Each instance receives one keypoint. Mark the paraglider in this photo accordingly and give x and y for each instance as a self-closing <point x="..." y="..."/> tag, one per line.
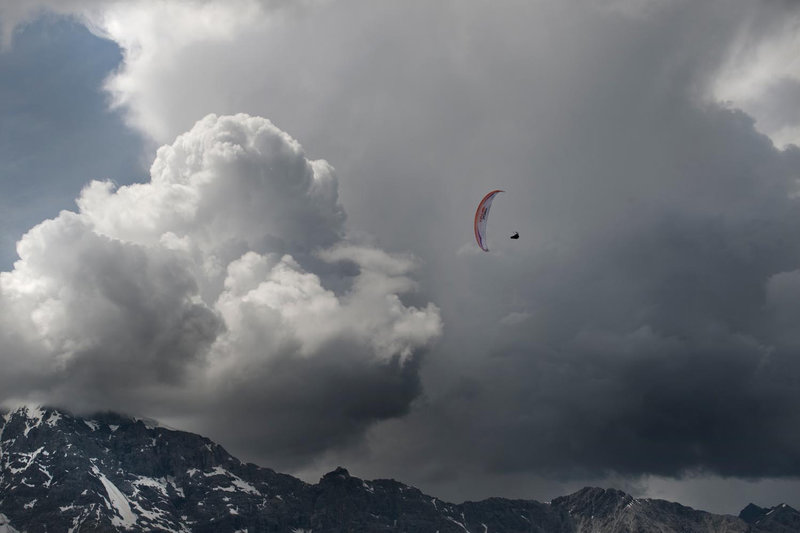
<point x="481" y="216"/>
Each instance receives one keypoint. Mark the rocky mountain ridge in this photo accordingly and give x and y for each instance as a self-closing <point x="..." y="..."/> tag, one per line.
<point x="110" y="473"/>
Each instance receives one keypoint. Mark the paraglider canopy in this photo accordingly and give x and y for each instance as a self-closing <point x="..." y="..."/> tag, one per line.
<point x="481" y="216"/>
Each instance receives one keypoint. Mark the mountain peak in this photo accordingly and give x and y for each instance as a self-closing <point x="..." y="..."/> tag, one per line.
<point x="781" y="518"/>
<point x="339" y="473"/>
<point x="752" y="513"/>
<point x="597" y="492"/>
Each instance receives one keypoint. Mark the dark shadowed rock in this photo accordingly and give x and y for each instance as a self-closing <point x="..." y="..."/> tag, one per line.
<point x="516" y="516"/>
<point x="779" y="519"/>
<point x="752" y="513"/>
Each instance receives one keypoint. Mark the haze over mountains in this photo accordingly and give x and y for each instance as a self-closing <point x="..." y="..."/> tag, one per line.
<point x="60" y="472"/>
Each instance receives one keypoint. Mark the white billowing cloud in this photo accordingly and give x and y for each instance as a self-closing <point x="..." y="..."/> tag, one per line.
<point x="113" y="309"/>
<point x="153" y="38"/>
<point x="231" y="259"/>
<point x="203" y="188"/>
<point x="272" y="290"/>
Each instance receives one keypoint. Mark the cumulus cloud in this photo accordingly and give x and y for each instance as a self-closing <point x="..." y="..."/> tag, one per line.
<point x="207" y="285"/>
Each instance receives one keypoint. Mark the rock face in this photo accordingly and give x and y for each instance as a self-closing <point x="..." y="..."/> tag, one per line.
<point x="110" y="473"/>
<point x="779" y="519"/>
<point x="603" y="510"/>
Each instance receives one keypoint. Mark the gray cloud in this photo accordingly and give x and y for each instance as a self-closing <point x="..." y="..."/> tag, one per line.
<point x="290" y="426"/>
<point x="652" y="343"/>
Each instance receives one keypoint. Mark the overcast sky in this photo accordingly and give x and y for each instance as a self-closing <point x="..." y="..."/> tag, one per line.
<point x="253" y="220"/>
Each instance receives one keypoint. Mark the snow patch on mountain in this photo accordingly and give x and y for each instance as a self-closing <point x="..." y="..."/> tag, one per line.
<point x="118" y="502"/>
<point x="53" y="419"/>
<point x="34" y="416"/>
<point x="236" y="483"/>
<point x="5" y="525"/>
<point x="159" y="484"/>
<point x="26" y="459"/>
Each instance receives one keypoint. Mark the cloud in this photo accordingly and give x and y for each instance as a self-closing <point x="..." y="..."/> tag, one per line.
<point x="207" y="286"/>
<point x="760" y="73"/>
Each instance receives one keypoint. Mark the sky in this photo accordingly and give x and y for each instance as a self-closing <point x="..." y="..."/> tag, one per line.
<point x="253" y="220"/>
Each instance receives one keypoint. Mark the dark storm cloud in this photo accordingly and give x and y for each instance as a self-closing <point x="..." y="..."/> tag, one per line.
<point x="289" y="426"/>
<point x="659" y="339"/>
<point x="634" y="328"/>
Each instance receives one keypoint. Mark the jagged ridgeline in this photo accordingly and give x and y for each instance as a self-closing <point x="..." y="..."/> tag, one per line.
<point x="108" y="472"/>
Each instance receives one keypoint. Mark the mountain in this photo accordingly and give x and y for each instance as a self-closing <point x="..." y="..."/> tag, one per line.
<point x="779" y="519"/>
<point x="109" y="473"/>
<point x="606" y="510"/>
